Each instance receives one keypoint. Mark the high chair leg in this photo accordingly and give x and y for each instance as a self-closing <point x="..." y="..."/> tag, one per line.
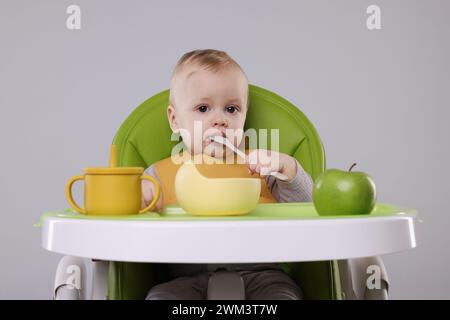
<point x="70" y="279"/>
<point x="364" y="279"/>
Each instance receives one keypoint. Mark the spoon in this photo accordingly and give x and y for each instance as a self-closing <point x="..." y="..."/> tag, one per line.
<point x="227" y="143"/>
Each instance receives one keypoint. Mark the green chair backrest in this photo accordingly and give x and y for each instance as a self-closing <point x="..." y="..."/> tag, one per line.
<point x="145" y="137"/>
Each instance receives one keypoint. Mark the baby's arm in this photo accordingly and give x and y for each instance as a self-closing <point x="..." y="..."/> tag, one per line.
<point x="148" y="190"/>
<point x="299" y="189"/>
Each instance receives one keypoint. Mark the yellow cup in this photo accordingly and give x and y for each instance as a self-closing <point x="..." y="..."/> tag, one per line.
<point x="112" y="191"/>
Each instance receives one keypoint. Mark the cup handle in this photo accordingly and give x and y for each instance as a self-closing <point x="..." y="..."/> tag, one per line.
<point x="69" y="193"/>
<point x="155" y="197"/>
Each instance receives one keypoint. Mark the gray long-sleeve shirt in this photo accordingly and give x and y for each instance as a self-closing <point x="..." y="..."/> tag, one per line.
<point x="299" y="189"/>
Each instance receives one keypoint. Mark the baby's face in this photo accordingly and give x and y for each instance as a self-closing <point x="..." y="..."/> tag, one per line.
<point x="212" y="103"/>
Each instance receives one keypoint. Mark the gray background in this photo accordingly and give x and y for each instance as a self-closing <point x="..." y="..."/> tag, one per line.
<point x="379" y="98"/>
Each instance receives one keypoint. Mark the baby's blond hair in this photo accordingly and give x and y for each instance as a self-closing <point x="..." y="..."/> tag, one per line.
<point x="209" y="59"/>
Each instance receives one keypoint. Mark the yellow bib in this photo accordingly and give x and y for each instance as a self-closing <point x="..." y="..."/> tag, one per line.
<point x="166" y="171"/>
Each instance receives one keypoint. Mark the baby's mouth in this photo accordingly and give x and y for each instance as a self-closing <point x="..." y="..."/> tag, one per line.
<point x="210" y="138"/>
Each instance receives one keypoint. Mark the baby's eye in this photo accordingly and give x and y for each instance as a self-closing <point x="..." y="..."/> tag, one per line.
<point x="203" y="108"/>
<point x="231" y="109"/>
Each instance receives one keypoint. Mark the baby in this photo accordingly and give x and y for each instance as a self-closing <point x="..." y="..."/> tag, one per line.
<point x="209" y="88"/>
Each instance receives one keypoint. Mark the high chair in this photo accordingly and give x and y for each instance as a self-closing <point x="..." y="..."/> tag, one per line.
<point x="329" y="257"/>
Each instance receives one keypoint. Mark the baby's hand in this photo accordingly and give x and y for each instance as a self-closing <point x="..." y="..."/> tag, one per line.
<point x="148" y="190"/>
<point x="263" y="162"/>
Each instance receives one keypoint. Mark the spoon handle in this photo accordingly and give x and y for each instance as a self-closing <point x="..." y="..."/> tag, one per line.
<point x="229" y="145"/>
<point x="239" y="153"/>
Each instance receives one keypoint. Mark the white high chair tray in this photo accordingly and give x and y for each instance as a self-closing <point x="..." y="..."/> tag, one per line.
<point x="285" y="232"/>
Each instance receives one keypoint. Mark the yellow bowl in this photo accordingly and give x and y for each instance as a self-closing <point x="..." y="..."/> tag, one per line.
<point x="199" y="195"/>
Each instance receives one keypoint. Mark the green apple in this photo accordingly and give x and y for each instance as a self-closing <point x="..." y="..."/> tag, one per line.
<point x="338" y="192"/>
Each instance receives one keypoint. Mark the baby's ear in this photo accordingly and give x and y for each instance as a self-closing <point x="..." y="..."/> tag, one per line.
<point x="171" y="116"/>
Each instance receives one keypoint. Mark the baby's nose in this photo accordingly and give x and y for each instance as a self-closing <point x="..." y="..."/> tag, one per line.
<point x="220" y="122"/>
